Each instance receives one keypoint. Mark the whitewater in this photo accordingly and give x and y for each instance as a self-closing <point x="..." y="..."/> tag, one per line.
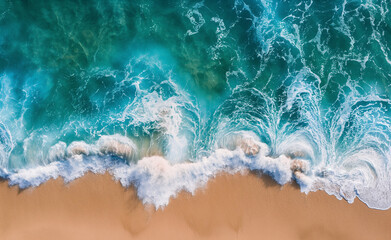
<point x="165" y="96"/>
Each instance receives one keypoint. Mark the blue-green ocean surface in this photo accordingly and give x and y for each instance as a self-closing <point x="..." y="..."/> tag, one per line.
<point x="166" y="94"/>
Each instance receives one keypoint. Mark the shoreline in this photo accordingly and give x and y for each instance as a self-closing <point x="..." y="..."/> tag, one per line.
<point x="229" y="207"/>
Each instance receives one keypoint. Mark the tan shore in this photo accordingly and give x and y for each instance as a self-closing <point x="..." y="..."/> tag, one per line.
<point x="230" y="207"/>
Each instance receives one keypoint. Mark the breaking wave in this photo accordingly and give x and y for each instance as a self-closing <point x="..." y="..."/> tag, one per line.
<point x="166" y="96"/>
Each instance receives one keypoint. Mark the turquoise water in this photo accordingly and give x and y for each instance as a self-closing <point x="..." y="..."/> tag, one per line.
<point x="182" y="90"/>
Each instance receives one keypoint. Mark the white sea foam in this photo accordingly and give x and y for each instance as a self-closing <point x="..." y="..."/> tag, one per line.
<point x="157" y="180"/>
<point x="172" y="119"/>
<point x="6" y="144"/>
<point x="343" y="149"/>
<point x="306" y="149"/>
<point x="117" y="145"/>
<point x="195" y="18"/>
<point x="57" y="151"/>
<point x="79" y="148"/>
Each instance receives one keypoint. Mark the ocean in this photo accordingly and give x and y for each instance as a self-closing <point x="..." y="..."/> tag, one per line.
<point x="165" y="95"/>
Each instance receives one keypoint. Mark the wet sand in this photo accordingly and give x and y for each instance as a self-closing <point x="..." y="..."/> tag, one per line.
<point x="230" y="207"/>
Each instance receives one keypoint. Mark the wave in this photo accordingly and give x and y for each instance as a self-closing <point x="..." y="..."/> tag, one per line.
<point x="165" y="99"/>
<point x="343" y="149"/>
<point x="156" y="179"/>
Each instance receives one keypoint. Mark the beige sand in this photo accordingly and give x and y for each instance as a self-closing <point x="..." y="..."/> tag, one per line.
<point x="231" y="207"/>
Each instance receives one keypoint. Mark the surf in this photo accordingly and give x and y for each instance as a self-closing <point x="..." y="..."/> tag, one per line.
<point x="167" y="99"/>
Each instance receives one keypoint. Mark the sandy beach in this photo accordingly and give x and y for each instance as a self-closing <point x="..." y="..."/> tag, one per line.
<point x="229" y="207"/>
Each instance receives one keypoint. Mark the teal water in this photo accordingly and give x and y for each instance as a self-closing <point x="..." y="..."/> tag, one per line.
<point x="297" y="89"/>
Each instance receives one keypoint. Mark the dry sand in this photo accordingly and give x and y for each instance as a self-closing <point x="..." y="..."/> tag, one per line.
<point x="230" y="207"/>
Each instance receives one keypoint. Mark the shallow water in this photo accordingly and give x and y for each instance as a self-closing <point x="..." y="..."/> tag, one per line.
<point x="165" y="95"/>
